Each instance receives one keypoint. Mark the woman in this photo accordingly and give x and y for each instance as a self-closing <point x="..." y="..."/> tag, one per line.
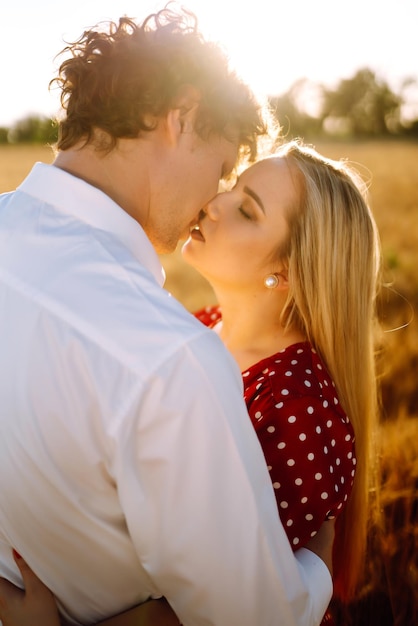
<point x="292" y="254"/>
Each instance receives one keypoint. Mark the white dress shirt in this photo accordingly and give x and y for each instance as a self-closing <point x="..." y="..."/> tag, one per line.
<point x="129" y="468"/>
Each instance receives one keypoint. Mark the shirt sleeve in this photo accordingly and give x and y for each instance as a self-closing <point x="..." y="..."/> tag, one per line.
<point x="199" y="503"/>
<point x="310" y="452"/>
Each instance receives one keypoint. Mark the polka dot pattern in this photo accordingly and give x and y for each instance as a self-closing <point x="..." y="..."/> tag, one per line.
<point x="307" y="439"/>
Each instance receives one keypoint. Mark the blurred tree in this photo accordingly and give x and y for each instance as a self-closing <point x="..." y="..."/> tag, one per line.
<point x="411" y="129"/>
<point x="364" y="104"/>
<point x="33" y="129"/>
<point x="409" y="110"/>
<point x="298" y="110"/>
<point x="3" y="134"/>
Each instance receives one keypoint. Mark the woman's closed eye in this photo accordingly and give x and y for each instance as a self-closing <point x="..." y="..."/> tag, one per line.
<point x="244" y="213"/>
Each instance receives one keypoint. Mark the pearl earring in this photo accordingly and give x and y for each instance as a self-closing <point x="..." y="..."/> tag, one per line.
<point x="271" y="281"/>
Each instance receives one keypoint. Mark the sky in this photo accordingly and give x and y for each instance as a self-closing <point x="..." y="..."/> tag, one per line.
<point x="270" y="43"/>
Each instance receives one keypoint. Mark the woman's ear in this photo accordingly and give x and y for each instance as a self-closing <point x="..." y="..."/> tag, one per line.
<point x="283" y="277"/>
<point x="277" y="280"/>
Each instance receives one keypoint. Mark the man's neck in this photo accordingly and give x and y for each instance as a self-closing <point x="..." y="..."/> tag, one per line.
<point x="110" y="172"/>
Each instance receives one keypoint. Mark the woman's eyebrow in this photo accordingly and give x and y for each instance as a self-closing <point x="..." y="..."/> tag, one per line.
<point x="255" y="197"/>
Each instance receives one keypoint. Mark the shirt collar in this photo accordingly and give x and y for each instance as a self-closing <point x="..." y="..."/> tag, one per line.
<point x="74" y="196"/>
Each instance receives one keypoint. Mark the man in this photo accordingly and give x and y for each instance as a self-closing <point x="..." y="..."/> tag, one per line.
<point x="128" y="466"/>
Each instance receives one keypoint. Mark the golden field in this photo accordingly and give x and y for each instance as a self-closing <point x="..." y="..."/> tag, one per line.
<point x="390" y="595"/>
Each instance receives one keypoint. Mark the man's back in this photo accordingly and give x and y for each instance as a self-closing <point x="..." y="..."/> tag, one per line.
<point x="83" y="326"/>
<point x="128" y="464"/>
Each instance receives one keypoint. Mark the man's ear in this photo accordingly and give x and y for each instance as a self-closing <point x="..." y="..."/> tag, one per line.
<point x="187" y="101"/>
<point x="173" y="126"/>
<point x="182" y="116"/>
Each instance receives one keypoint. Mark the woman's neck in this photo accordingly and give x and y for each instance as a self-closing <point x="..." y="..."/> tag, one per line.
<point x="251" y="327"/>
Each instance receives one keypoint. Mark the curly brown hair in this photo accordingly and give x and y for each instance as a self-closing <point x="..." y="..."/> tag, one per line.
<point x="121" y="78"/>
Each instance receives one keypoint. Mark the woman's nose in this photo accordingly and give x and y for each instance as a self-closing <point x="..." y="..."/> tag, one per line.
<point x="212" y="210"/>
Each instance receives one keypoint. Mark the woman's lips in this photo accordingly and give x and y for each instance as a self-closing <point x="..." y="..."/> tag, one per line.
<point x="196" y="233"/>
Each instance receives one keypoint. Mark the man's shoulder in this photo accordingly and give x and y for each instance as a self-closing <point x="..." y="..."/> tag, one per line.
<point x="129" y="313"/>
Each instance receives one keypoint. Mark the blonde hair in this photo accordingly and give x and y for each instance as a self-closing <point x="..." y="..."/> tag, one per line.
<point x="333" y="258"/>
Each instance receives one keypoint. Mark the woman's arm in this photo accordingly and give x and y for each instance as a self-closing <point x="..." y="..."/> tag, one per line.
<point x="151" y="613"/>
<point x="35" y="605"/>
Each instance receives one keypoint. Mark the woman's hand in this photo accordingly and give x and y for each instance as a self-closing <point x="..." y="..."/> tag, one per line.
<point x="35" y="605"/>
<point x="32" y="606"/>
<point x="322" y="543"/>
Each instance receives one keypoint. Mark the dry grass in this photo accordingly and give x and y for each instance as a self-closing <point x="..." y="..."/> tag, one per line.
<point x="390" y="596"/>
<point x="392" y="169"/>
<point x="16" y="162"/>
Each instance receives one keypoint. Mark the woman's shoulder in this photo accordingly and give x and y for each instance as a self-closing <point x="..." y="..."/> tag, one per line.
<point x="292" y="369"/>
<point x="297" y="371"/>
<point x="295" y="381"/>
<point x="209" y="315"/>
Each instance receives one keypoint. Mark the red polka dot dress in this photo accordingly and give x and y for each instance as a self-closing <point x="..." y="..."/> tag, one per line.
<point x="307" y="439"/>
